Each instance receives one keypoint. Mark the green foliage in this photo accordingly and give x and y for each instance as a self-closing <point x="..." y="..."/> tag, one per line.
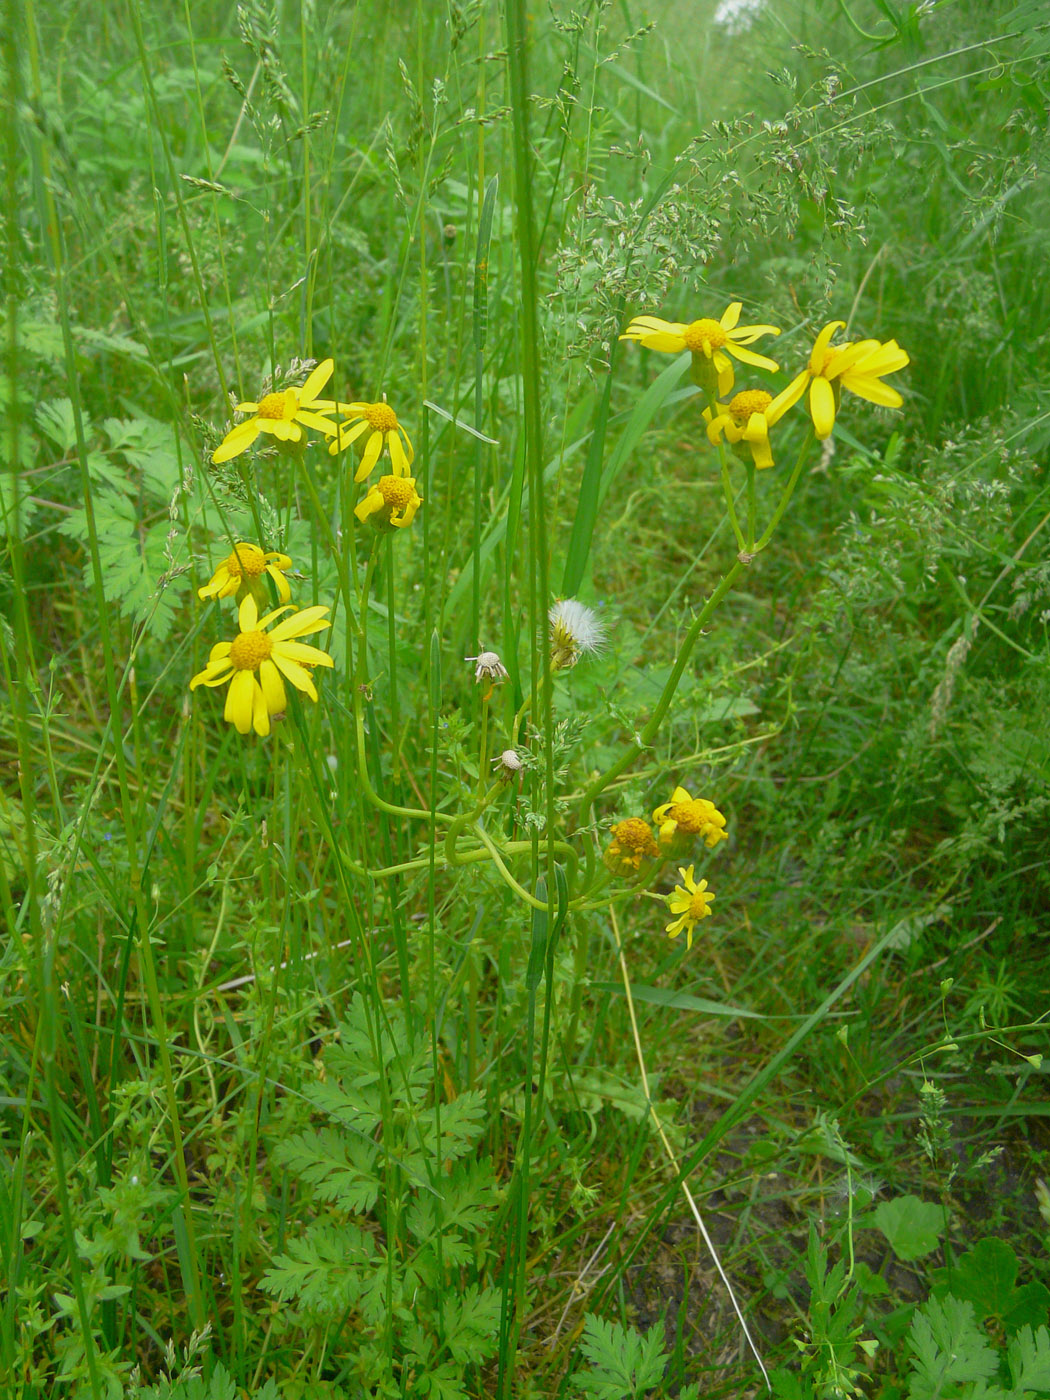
<point x="401" y="1243"/>
<point x="622" y="1363"/>
<point x="913" y="1227"/>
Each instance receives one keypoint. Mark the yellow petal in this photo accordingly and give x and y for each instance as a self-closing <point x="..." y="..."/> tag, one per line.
<point x="787" y="398"/>
<point x="314" y="420"/>
<point x="745" y="335"/>
<point x="302" y="651"/>
<point x="822" y="407"/>
<point x="280" y="582"/>
<point x="821" y="344"/>
<point x="319" y="377"/>
<point x="373" y="447"/>
<point x="301" y="624"/>
<point x="397" y="453"/>
<point x="237" y="440"/>
<point x="248" y="614"/>
<point x="666" y="343"/>
<point x="260" y="713"/>
<point x="370" y="504"/>
<point x="272" y="688"/>
<point x="298" y="675"/>
<point x="751" y="357"/>
<point x="239" y="699"/>
<point x="757" y="435"/>
<point x="866" y="386"/>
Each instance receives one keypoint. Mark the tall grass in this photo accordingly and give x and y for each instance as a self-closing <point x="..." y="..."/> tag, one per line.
<point x="339" y="1061"/>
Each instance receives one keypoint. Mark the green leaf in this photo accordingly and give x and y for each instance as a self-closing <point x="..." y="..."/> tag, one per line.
<point x="680" y="1001"/>
<point x="1028" y="1357"/>
<point x="985" y="1277"/>
<point x="624" y="1363"/>
<point x="913" y="1227"/>
<point x="55" y="420"/>
<point x="949" y="1349"/>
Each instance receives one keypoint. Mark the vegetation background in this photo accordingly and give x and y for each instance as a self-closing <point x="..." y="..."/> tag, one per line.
<point x="273" y="1129"/>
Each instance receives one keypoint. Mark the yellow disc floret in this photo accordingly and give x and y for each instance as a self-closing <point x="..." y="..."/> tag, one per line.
<point x="704" y="337"/>
<point x="249" y="650"/>
<point x="381" y="417"/>
<point x="277" y="406"/>
<point x="247" y="561"/>
<point x="747" y="402"/>
<point x="397" y="491"/>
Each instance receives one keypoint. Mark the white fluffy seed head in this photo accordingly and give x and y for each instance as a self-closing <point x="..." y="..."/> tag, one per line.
<point x="509" y="764"/>
<point x="575" y="630"/>
<point x="488" y="667"/>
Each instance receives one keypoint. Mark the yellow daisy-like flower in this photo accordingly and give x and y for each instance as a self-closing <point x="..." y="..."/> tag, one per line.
<point x="242" y="571"/>
<point x="632" y="842"/>
<point x="283" y="415"/>
<point x="711" y="344"/>
<point x="690" y="902"/>
<point x="381" y="423"/>
<point x="258" y="662"/>
<point x="391" y="503"/>
<point x="684" y="818"/>
<point x="858" y="366"/>
<point x="748" y="417"/>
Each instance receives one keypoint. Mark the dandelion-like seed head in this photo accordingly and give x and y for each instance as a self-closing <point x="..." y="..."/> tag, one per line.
<point x="575" y="630"/>
<point x="489" y="667"/>
<point x="509" y="764"/>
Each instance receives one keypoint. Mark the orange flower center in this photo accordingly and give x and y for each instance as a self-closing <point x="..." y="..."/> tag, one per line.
<point x="397" y="491"/>
<point x="698" y="906"/>
<point x="249" y="650"/>
<point x="634" y="835"/>
<point x="704" y="337"/>
<point x="276" y="406"/>
<point x="381" y="417"/>
<point x="247" y="560"/>
<point x="742" y="405"/>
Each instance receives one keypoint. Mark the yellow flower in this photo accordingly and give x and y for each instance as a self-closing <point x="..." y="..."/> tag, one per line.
<point x="748" y="417"/>
<point x="256" y="660"/>
<point x="711" y="343"/>
<point x="684" y="818"/>
<point x="242" y="571"/>
<point x="632" y="842"/>
<point x="858" y="366"/>
<point x="391" y="503"/>
<point x="385" y="428"/>
<point x="691" y="903"/>
<point x="281" y="414"/>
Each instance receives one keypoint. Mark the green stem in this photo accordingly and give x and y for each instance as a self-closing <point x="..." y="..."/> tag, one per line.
<point x="649" y="731"/>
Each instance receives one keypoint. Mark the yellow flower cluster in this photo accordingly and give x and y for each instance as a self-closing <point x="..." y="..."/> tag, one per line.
<point x="678" y="824"/>
<point x="745" y="421"/>
<point x="372" y="427"/>
<point x="261" y="657"/>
